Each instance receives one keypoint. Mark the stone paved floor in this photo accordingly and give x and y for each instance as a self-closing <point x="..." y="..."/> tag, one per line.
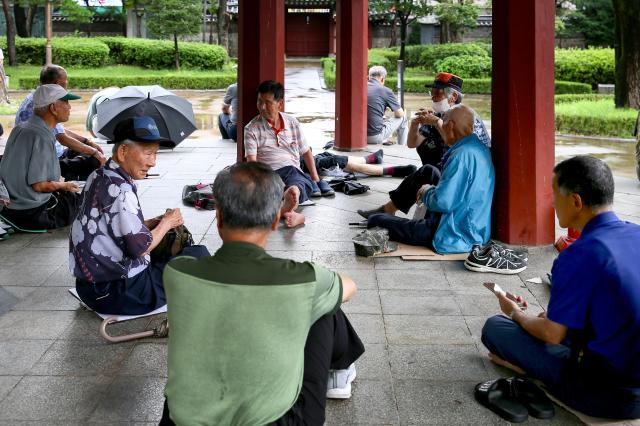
<point x="420" y="321"/>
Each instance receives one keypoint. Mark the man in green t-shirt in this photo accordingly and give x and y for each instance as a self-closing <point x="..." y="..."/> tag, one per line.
<point x="255" y="339"/>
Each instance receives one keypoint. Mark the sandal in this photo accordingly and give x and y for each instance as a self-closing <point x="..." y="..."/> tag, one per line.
<point x="531" y="396"/>
<point x="497" y="396"/>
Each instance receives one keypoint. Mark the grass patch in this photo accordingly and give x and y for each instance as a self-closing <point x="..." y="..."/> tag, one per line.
<point x="595" y="118"/>
<point x="27" y="77"/>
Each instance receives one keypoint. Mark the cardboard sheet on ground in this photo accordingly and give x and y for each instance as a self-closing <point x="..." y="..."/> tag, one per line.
<point x="407" y="252"/>
<point x="593" y="421"/>
<point x="160" y="310"/>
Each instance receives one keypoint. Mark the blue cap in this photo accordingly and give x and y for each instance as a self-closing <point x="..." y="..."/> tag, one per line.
<point x="139" y="129"/>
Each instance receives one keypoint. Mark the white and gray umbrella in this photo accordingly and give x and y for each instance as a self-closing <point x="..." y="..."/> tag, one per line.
<point x="173" y="114"/>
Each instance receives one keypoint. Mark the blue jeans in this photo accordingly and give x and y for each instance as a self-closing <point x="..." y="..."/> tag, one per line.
<point x="587" y="388"/>
<point x="228" y="130"/>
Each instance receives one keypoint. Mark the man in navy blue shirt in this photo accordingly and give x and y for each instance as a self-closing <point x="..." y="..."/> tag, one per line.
<point x="586" y="348"/>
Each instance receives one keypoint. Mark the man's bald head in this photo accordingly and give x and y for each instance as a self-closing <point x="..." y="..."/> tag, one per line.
<point x="458" y="123"/>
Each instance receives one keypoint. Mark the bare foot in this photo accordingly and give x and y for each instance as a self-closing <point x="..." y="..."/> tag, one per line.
<point x="499" y="361"/>
<point x="293" y="219"/>
<point x="290" y="199"/>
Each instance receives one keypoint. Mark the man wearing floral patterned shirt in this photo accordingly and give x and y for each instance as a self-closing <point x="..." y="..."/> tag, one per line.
<point x="110" y="240"/>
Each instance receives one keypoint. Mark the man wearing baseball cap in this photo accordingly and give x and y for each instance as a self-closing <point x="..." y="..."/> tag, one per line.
<point x="427" y="136"/>
<point x="81" y="155"/>
<point x="40" y="198"/>
<point x="110" y="240"/>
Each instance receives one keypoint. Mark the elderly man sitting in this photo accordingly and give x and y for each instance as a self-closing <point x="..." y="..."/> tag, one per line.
<point x="459" y="205"/>
<point x="586" y="346"/>
<point x="40" y="199"/>
<point x="110" y="240"/>
<point x="255" y="339"/>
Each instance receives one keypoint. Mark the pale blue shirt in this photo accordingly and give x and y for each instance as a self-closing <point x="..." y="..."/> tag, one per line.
<point x="463" y="196"/>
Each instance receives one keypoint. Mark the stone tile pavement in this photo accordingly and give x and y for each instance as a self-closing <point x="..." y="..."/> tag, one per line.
<point x="420" y="321"/>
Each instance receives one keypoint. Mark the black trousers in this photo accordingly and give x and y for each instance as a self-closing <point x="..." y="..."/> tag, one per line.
<point x="58" y="212"/>
<point x="404" y="196"/>
<point x="332" y="343"/>
<point x="76" y="166"/>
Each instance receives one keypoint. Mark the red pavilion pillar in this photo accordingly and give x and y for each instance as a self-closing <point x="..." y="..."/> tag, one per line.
<point x="522" y="120"/>
<point x="351" y="74"/>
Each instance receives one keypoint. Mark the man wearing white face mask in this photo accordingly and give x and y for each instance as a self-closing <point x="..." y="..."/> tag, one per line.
<point x="425" y="131"/>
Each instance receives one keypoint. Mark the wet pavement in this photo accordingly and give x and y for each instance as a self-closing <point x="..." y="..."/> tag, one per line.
<point x="420" y="321"/>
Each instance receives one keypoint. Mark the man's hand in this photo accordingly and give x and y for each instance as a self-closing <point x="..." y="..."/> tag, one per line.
<point x="172" y="218"/>
<point x="94" y="145"/>
<point x="70" y="187"/>
<point x="101" y="157"/>
<point x="510" y="302"/>
<point x="421" y="192"/>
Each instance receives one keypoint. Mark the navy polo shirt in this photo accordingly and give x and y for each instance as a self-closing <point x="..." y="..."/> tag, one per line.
<point x="596" y="287"/>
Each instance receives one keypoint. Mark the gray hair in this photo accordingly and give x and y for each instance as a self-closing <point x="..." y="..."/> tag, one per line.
<point x="377" y="71"/>
<point x="248" y="195"/>
<point x="448" y="91"/>
<point x="127" y="142"/>
<point x="40" y="111"/>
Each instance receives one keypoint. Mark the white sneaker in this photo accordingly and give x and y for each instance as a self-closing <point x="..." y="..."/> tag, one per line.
<point x="339" y="385"/>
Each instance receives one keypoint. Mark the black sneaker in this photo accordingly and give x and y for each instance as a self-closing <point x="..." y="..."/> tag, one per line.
<point x="514" y="255"/>
<point x="489" y="259"/>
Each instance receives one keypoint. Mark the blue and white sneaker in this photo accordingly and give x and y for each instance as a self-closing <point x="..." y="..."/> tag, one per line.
<point x="339" y="385"/>
<point x="325" y="189"/>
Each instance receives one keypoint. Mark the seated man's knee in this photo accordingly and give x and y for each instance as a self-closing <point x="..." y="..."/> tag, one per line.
<point x="493" y="328"/>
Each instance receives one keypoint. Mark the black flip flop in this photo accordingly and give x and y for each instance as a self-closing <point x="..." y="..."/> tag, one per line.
<point x="496" y="395"/>
<point x="531" y="396"/>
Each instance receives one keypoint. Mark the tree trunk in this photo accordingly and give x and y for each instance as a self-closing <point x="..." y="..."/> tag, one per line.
<point x="31" y="14"/>
<point x="223" y="25"/>
<point x="404" y="23"/>
<point x="21" y="20"/>
<point x="394" y="34"/>
<point x="627" y="53"/>
<point x="176" y="51"/>
<point x="445" y="34"/>
<point x="11" y="33"/>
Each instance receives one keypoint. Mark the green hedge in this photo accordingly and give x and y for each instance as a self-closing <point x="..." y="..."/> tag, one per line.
<point x="568" y="98"/>
<point x="598" y="117"/>
<point x="465" y="66"/>
<point x="434" y="53"/>
<point x="591" y="66"/>
<point x="158" y="54"/>
<point x="566" y="87"/>
<point x="100" y="51"/>
<point x="167" y="81"/>
<point x="471" y="85"/>
<point x="67" y="51"/>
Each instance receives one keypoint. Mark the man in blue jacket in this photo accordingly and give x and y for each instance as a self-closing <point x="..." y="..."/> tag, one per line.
<point x="459" y="201"/>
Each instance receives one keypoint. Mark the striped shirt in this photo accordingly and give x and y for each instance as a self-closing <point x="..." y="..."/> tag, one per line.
<point x="277" y="150"/>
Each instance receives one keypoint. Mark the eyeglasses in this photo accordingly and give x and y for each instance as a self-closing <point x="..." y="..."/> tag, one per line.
<point x="436" y="94"/>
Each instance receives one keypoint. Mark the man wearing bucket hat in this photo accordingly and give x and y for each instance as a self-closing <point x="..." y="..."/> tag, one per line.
<point x="425" y="130"/>
<point x="40" y="198"/>
<point x="110" y="240"/>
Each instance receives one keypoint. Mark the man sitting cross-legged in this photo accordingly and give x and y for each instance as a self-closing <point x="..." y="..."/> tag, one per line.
<point x="586" y="347"/>
<point x="275" y="138"/>
<point x="459" y="201"/>
<point x="255" y="339"/>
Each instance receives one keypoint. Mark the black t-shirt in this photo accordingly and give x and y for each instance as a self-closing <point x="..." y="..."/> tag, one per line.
<point x="432" y="149"/>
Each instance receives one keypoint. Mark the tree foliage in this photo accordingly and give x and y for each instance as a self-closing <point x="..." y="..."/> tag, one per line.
<point x="174" y="18"/>
<point x="455" y="16"/>
<point x="402" y="11"/>
<point x="592" y="18"/>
